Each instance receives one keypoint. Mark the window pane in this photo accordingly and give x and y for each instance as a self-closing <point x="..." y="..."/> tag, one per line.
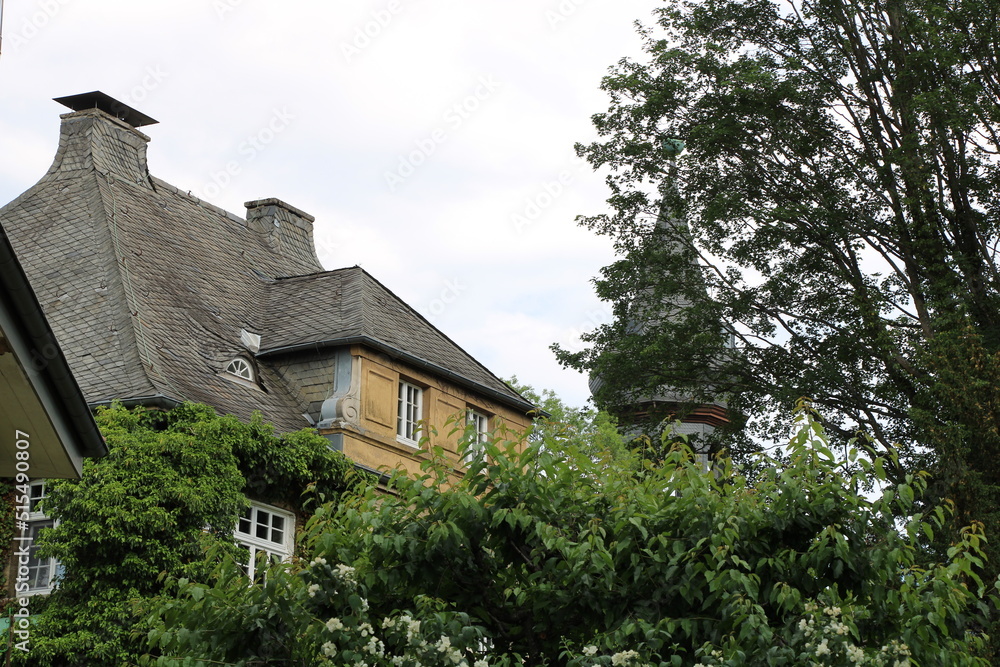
<point x="36" y="493"/>
<point x="480" y="425"/>
<point x="240" y="368"/>
<point x="401" y="413"/>
<point x="410" y="397"/>
<point x="262" y="523"/>
<point x="244" y="526"/>
<point x="277" y="529"/>
<point x="39" y="569"/>
<point x="263" y="533"/>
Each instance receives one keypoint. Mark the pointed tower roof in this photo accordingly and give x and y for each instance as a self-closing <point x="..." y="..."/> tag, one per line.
<point x="673" y="238"/>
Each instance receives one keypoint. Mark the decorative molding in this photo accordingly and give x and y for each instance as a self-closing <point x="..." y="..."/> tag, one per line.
<point x="344" y="402"/>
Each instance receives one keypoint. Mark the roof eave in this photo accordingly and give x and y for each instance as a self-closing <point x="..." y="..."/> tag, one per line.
<point x="396" y="353"/>
<point x="160" y="401"/>
<point x="59" y="390"/>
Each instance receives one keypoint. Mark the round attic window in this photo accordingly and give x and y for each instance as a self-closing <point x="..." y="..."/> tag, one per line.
<point x="241" y="369"/>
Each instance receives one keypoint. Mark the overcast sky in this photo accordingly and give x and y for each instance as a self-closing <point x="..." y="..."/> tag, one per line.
<point x="431" y="139"/>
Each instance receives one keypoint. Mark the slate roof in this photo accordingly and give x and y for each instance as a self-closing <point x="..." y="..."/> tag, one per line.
<point x="148" y="288"/>
<point x="358" y="308"/>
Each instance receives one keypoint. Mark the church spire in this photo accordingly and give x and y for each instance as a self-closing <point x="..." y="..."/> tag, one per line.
<point x="669" y="252"/>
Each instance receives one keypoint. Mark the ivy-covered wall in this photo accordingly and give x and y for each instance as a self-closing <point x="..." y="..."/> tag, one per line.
<point x="164" y="501"/>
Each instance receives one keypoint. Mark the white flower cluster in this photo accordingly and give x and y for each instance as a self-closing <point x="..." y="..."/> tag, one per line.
<point x="350" y="639"/>
<point x="827" y="637"/>
<point x="346" y="573"/>
<point x="451" y="655"/>
<point x="412" y="627"/>
<point x="628" y="658"/>
<point x="375" y="646"/>
<point x="343" y="576"/>
<point x="401" y="644"/>
<point x="624" y="658"/>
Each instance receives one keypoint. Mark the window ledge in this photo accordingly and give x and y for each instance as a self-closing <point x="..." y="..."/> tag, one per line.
<point x="412" y="444"/>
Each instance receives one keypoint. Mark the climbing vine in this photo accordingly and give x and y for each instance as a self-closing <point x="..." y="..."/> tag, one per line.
<point x="167" y="495"/>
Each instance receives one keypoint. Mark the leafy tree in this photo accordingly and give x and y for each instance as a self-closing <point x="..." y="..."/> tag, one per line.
<point x="835" y="210"/>
<point x="539" y="558"/>
<point x="562" y="425"/>
<point x="169" y="490"/>
<point x="593" y="432"/>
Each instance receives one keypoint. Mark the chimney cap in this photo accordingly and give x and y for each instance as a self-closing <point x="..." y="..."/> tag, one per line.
<point x="98" y="100"/>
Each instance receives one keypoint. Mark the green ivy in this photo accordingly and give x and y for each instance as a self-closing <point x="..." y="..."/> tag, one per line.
<point x="168" y="493"/>
<point x="8" y="497"/>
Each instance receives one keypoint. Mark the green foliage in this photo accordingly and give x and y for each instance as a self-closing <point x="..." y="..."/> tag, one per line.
<point x="563" y="426"/>
<point x="169" y="491"/>
<point x="545" y="558"/>
<point x="318" y="616"/>
<point x="8" y="498"/>
<point x="834" y="209"/>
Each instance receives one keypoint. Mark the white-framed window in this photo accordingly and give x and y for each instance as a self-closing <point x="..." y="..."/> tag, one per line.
<point x="241" y="368"/>
<point x="411" y="405"/>
<point x="267" y="532"/>
<point x="43" y="573"/>
<point x="481" y="425"/>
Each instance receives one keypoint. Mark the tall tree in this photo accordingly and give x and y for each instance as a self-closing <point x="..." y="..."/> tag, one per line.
<point x="839" y="189"/>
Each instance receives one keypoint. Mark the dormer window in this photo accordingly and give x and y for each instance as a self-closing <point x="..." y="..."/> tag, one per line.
<point x="241" y="369"/>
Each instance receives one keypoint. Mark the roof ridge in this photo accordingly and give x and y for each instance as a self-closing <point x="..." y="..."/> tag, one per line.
<point x="173" y="189"/>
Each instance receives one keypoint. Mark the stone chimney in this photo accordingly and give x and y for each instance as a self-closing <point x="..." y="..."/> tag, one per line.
<point x="287" y="230"/>
<point x="101" y="134"/>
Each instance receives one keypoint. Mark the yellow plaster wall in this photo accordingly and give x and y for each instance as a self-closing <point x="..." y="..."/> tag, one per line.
<point x="373" y="442"/>
<point x="379" y="397"/>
